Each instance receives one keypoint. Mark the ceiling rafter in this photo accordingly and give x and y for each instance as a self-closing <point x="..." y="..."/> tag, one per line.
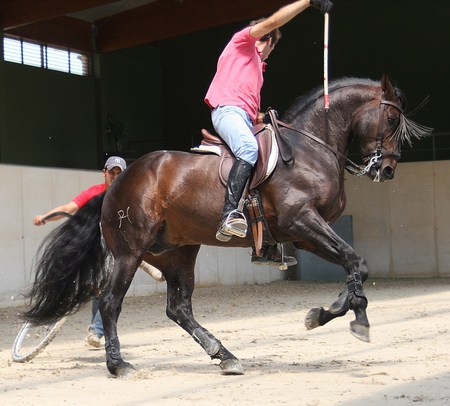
<point x="21" y="12"/>
<point x="162" y="19"/>
<point x="46" y="20"/>
<point x="63" y="31"/>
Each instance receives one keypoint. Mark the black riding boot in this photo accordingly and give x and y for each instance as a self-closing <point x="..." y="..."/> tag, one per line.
<point x="234" y="221"/>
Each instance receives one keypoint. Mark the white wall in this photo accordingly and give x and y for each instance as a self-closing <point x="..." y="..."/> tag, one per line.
<point x="27" y="191"/>
<point x="401" y="227"/>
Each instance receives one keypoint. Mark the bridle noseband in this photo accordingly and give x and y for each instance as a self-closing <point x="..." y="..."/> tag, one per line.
<point x="373" y="158"/>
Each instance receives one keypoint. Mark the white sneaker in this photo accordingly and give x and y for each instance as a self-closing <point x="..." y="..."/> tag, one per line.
<point x="93" y="340"/>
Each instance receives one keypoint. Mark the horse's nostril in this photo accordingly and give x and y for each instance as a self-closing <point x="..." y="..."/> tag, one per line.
<point x="388" y="172"/>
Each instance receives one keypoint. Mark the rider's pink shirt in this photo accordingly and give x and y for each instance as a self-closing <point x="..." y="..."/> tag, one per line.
<point x="239" y="76"/>
<point x="88" y="194"/>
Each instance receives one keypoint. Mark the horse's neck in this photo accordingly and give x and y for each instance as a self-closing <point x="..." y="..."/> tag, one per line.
<point x="332" y="127"/>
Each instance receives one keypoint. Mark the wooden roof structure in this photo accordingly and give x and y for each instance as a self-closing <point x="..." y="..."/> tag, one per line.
<point x="105" y="25"/>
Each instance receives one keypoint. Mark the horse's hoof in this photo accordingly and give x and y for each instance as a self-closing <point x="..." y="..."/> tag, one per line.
<point x="126" y="370"/>
<point x="360" y="331"/>
<point x="231" y="367"/>
<point x="123" y="370"/>
<point x="312" y="319"/>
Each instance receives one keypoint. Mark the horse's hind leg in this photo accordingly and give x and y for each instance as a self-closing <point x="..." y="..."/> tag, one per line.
<point x="110" y="308"/>
<point x="179" y="272"/>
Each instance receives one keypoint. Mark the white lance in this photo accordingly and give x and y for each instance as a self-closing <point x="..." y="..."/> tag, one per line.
<point x="325" y="63"/>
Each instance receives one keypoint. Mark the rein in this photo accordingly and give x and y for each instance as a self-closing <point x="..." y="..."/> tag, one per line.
<point x="350" y="166"/>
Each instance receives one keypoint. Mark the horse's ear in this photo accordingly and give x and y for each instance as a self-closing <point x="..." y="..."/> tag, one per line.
<point x="388" y="89"/>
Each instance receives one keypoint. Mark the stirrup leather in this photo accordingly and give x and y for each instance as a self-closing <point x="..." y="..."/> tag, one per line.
<point x="234" y="224"/>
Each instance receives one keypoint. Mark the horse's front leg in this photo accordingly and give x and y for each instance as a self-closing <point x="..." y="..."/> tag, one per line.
<point x="180" y="286"/>
<point x="352" y="297"/>
<point x="328" y="245"/>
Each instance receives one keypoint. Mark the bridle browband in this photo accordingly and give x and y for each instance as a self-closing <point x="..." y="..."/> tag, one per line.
<point x="373" y="159"/>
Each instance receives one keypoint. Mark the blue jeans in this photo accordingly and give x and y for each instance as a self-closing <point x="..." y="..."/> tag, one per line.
<point x="97" y="322"/>
<point x="234" y="125"/>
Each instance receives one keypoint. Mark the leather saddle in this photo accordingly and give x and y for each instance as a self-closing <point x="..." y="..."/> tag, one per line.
<point x="267" y="154"/>
<point x="271" y="145"/>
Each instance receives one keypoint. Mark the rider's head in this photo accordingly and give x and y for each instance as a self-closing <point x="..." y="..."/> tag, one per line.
<point x="267" y="42"/>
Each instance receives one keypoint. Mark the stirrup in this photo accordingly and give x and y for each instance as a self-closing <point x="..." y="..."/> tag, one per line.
<point x="272" y="255"/>
<point x="221" y="236"/>
<point x="282" y="264"/>
<point x="234" y="224"/>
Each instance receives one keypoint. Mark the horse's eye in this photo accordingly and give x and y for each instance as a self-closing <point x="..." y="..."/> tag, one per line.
<point x="392" y="121"/>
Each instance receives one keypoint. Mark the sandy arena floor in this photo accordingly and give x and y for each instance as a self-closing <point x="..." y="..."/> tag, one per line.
<point x="407" y="361"/>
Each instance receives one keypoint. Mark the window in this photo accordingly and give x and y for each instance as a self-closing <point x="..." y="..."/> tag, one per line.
<point x="43" y="56"/>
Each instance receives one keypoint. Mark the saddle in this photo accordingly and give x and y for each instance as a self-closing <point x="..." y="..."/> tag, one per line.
<point x="267" y="154"/>
<point x="271" y="144"/>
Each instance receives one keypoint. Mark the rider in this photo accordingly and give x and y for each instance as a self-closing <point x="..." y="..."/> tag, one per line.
<point x="234" y="99"/>
<point x="114" y="166"/>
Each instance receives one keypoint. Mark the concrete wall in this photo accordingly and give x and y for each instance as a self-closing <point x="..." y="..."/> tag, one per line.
<point x="401" y="227"/>
<point x="27" y="191"/>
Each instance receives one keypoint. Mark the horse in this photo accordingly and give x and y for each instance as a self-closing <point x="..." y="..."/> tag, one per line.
<point x="168" y="203"/>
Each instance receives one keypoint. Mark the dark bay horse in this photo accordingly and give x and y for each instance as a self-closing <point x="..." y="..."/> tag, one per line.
<point x="168" y="203"/>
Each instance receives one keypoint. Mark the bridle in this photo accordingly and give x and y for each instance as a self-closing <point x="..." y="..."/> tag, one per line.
<point x="374" y="158"/>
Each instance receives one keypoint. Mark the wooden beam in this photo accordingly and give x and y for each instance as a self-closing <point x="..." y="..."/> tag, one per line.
<point x="149" y="23"/>
<point x="14" y="13"/>
<point x="63" y="31"/>
<point x="167" y="19"/>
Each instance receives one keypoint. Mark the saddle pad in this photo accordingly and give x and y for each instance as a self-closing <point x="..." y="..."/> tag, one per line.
<point x="207" y="149"/>
<point x="267" y="155"/>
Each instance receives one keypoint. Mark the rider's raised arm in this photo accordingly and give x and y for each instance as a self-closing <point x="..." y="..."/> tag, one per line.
<point x="285" y="14"/>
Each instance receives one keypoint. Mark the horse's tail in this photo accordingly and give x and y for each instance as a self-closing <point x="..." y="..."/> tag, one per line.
<point x="70" y="266"/>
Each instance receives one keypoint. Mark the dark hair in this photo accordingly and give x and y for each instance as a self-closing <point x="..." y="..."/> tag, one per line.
<point x="274" y="34"/>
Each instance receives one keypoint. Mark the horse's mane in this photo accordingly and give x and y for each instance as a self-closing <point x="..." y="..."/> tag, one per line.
<point x="406" y="131"/>
<point x="304" y="101"/>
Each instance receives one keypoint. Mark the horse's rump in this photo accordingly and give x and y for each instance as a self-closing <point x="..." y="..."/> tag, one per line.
<point x="165" y="199"/>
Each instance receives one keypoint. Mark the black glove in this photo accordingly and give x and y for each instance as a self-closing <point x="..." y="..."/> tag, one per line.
<point x="324" y="6"/>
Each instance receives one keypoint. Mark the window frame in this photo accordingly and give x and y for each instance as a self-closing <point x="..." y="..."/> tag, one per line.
<point x="45" y="56"/>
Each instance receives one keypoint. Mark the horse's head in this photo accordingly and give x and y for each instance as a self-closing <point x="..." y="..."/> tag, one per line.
<point x="381" y="127"/>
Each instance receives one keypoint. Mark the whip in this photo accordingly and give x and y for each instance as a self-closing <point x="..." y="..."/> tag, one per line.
<point x="325" y="62"/>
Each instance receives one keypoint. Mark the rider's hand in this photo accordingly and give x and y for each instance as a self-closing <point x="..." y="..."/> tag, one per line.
<point x="324" y="6"/>
<point x="38" y="220"/>
<point x="260" y="118"/>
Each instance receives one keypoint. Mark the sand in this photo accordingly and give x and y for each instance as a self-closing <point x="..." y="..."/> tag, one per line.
<point x="407" y="361"/>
